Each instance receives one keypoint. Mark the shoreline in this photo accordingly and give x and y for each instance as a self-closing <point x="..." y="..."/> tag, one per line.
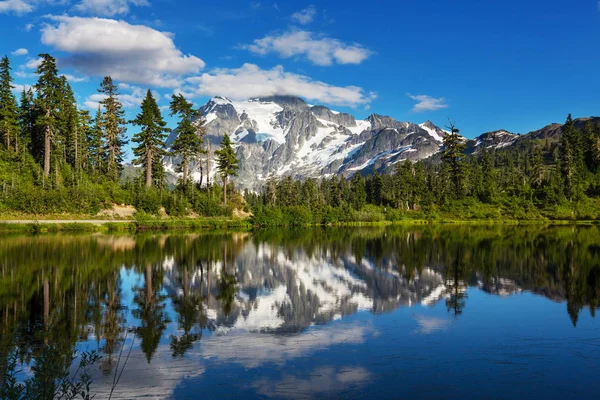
<point x="133" y="226"/>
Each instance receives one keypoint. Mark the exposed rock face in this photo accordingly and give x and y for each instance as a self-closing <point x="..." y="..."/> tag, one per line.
<point x="491" y="141"/>
<point x="284" y="136"/>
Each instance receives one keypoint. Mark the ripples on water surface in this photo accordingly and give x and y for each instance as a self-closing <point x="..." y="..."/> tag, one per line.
<point x="422" y="312"/>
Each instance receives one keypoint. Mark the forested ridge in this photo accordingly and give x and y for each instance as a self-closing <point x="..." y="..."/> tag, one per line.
<point x="56" y="158"/>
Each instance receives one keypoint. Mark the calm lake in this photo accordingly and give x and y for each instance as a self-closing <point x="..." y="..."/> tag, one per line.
<point x="397" y="312"/>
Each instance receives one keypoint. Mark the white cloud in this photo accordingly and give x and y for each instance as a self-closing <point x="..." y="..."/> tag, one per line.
<point x="428" y="325"/>
<point x="129" y="53"/>
<point x="109" y="8"/>
<point x="29" y="27"/>
<point x="428" y="103"/>
<point x="250" y="81"/>
<point x="132" y="99"/>
<point x="321" y="51"/>
<point x="76" y="79"/>
<point x="33" y="63"/>
<point x="15" y="6"/>
<point x="20" y="52"/>
<point x="18" y="89"/>
<point x="305" y="16"/>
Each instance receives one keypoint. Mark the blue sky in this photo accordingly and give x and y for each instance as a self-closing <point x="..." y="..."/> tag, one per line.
<point x="514" y="65"/>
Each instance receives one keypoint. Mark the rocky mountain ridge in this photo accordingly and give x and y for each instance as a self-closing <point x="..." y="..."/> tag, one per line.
<point x="281" y="136"/>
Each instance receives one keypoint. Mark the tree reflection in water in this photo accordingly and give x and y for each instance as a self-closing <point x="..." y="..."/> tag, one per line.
<point x="58" y="291"/>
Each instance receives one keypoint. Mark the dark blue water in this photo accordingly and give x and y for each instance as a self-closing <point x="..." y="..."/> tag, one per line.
<point x="446" y="312"/>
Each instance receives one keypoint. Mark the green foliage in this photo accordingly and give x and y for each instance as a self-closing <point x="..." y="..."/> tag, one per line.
<point x="150" y="141"/>
<point x="188" y="144"/>
<point x="112" y="123"/>
<point x="227" y="163"/>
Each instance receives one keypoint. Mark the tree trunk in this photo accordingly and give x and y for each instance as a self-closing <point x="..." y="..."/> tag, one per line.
<point x="185" y="170"/>
<point x="47" y="133"/>
<point x="208" y="167"/>
<point x="201" y="170"/>
<point x="46" y="303"/>
<point x="148" y="282"/>
<point x="225" y="191"/>
<point x="148" y="168"/>
<point x="76" y="149"/>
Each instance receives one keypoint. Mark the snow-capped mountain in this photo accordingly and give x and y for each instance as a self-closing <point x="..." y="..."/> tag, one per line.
<point x="492" y="141"/>
<point x="284" y="136"/>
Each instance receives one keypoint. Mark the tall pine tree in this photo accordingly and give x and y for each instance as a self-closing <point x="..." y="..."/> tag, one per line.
<point x="9" y="127"/>
<point x="96" y="145"/>
<point x="26" y="118"/>
<point x="453" y="158"/>
<point x="187" y="145"/>
<point x="151" y="138"/>
<point x="227" y="163"/>
<point x="47" y="104"/>
<point x="571" y="160"/>
<point x="113" y="128"/>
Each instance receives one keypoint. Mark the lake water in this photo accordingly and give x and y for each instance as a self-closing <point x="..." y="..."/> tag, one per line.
<point x="396" y="312"/>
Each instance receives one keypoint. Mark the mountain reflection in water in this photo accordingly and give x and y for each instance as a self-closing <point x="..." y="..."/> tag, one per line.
<point x="309" y="313"/>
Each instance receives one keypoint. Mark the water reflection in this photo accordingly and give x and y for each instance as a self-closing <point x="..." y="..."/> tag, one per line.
<point x="258" y="300"/>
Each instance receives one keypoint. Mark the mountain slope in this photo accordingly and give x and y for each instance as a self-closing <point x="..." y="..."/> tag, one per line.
<point x="284" y="136"/>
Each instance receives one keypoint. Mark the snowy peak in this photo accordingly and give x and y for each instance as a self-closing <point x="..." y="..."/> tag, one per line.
<point x="435" y="132"/>
<point x="492" y="141"/>
<point x="284" y="136"/>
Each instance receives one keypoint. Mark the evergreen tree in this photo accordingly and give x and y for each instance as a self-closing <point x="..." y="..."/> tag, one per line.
<point x="592" y="146"/>
<point x="571" y="158"/>
<point x="47" y="103"/>
<point x="9" y="127"/>
<point x="113" y="128"/>
<point x="84" y="130"/>
<point x="538" y="167"/>
<point x="227" y="163"/>
<point x="96" y="145"/>
<point x="358" y="192"/>
<point x="487" y="190"/>
<point x="404" y="182"/>
<point x="151" y="139"/>
<point x="26" y="118"/>
<point x="187" y="145"/>
<point x="69" y="125"/>
<point x="453" y="159"/>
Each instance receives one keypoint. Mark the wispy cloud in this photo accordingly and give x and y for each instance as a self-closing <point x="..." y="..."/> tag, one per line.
<point x="428" y="103"/>
<point x="109" y="8"/>
<point x="18" y="7"/>
<point x="250" y="81"/>
<point x="320" y="51"/>
<point x="76" y="79"/>
<point x="20" y="52"/>
<point x="429" y="325"/>
<point x="305" y="16"/>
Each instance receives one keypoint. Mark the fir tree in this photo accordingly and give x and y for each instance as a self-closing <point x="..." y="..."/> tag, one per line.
<point x="26" y="118"/>
<point x="47" y="103"/>
<point x="538" y="167"/>
<point x="69" y="125"/>
<point x="571" y="159"/>
<point x="488" y="178"/>
<point x="95" y="143"/>
<point x="453" y="158"/>
<point x="188" y="144"/>
<point x="358" y="192"/>
<point x="151" y="138"/>
<point x="113" y="128"/>
<point x="83" y="133"/>
<point x="227" y="163"/>
<point x="9" y="128"/>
